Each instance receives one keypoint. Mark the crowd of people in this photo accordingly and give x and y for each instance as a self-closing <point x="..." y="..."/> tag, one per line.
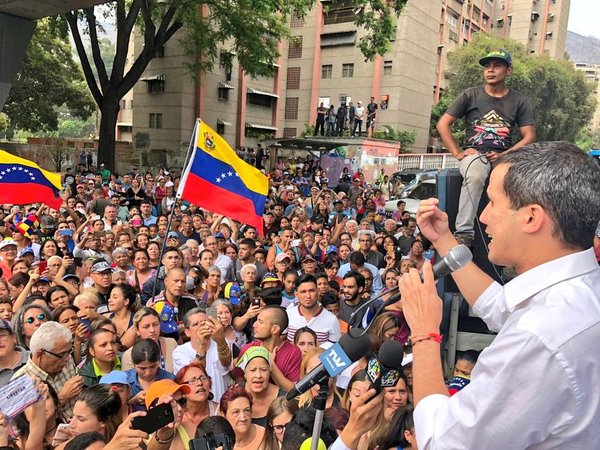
<point x="221" y="323"/>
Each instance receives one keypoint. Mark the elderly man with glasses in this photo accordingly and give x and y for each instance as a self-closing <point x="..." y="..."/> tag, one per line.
<point x="50" y="360"/>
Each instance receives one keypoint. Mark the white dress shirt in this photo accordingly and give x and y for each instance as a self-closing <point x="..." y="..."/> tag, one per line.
<point x="536" y="386"/>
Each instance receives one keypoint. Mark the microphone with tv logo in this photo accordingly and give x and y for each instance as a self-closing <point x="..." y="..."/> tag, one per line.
<point x="349" y="349"/>
<point x="384" y="368"/>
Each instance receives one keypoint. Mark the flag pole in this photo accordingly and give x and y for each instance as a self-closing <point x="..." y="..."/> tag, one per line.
<point x="188" y="156"/>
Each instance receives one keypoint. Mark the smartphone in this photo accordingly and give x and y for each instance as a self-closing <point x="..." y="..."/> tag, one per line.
<point x="87" y="323"/>
<point x="212" y="312"/>
<point x="66" y="232"/>
<point x="155" y="419"/>
<point x="256" y="302"/>
<point x="43" y="265"/>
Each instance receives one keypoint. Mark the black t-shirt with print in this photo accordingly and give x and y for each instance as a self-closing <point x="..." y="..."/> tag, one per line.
<point x="491" y="120"/>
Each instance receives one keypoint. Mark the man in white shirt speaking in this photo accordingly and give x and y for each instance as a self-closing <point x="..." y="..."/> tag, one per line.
<point x="536" y="385"/>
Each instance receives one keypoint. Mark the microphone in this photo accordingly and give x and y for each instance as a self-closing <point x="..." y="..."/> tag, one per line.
<point x="455" y="259"/>
<point x="349" y="349"/>
<point x="384" y="368"/>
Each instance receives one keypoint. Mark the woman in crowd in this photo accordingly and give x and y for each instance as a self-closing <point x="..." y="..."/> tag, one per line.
<point x="236" y="407"/>
<point x="20" y="266"/>
<point x="120" y="259"/>
<point x="198" y="403"/>
<point x="57" y="296"/>
<point x="121" y="301"/>
<point x="145" y="356"/>
<point x="199" y="274"/>
<point x="257" y="372"/>
<point x="141" y="271"/>
<point x="28" y="319"/>
<point x="402" y="431"/>
<point x="225" y="315"/>
<point x="395" y="397"/>
<point x="344" y="253"/>
<point x="305" y="339"/>
<point x="249" y="290"/>
<point x="104" y="358"/>
<point x="213" y="284"/>
<point x="231" y="250"/>
<point x="390" y="283"/>
<point x="49" y="248"/>
<point x="386" y="327"/>
<point x="280" y="413"/>
<point x="4" y="291"/>
<point x="98" y="408"/>
<point x="135" y="194"/>
<point x="153" y="250"/>
<point x="309" y="362"/>
<point x="206" y="259"/>
<point x="67" y="316"/>
<point x="147" y="326"/>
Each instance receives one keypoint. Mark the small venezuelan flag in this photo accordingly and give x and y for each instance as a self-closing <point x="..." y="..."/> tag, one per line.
<point x="218" y="180"/>
<point x="28" y="226"/>
<point x="23" y="182"/>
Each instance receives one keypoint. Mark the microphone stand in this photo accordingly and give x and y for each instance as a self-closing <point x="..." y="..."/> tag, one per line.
<point x="370" y="301"/>
<point x="319" y="403"/>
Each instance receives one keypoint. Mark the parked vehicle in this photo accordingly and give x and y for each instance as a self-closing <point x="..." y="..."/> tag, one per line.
<point x="425" y="189"/>
<point x="411" y="178"/>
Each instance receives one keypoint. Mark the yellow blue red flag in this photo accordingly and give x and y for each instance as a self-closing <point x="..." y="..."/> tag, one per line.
<point x="218" y="180"/>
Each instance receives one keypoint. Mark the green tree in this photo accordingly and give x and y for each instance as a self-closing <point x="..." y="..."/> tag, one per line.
<point x="251" y="28"/>
<point x="406" y="138"/>
<point x="48" y="78"/>
<point x="560" y="95"/>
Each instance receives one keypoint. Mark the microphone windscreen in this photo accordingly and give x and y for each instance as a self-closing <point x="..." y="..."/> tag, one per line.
<point x="355" y="345"/>
<point x="390" y="354"/>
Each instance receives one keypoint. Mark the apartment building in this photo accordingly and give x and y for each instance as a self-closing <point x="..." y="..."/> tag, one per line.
<point x="321" y="63"/>
<point x="592" y="73"/>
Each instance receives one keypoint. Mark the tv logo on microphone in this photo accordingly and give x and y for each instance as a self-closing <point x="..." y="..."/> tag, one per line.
<point x="335" y="360"/>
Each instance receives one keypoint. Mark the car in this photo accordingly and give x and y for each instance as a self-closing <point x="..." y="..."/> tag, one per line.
<point x="410" y="178"/>
<point x="425" y="189"/>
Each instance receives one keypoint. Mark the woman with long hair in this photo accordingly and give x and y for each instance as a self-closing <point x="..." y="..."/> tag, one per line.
<point x="402" y="431"/>
<point x="390" y="283"/>
<point x="199" y="275"/>
<point x="146" y="322"/>
<point x="280" y="413"/>
<point x="305" y="339"/>
<point x="67" y="316"/>
<point x="225" y="317"/>
<point x="141" y="272"/>
<point x="416" y="253"/>
<point x="309" y="362"/>
<point x="121" y="304"/>
<point x="145" y="356"/>
<point x="198" y="404"/>
<point x="396" y="397"/>
<point x="153" y="250"/>
<point x="236" y="407"/>
<point x="49" y="248"/>
<point x="28" y="319"/>
<point x="103" y="357"/>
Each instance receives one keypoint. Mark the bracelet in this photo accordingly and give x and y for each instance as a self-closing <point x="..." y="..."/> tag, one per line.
<point x="425" y="337"/>
<point x="166" y="441"/>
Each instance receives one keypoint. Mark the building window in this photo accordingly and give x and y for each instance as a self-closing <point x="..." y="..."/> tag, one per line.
<point x="341" y="12"/>
<point x="260" y="100"/>
<point x="295" y="50"/>
<point x="223" y="94"/>
<point x="291" y="108"/>
<point x="387" y="67"/>
<point x="155" y="86"/>
<point x="326" y="71"/>
<point x="293" y="77"/>
<point x="155" y="120"/>
<point x="452" y="36"/>
<point x="296" y="21"/>
<point x="290" y="132"/>
<point x="451" y="19"/>
<point x="123" y="104"/>
<point x="347" y="70"/>
<point x="220" y="128"/>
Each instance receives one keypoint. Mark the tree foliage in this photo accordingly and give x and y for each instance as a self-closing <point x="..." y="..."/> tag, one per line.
<point x="405" y="137"/>
<point x="47" y="79"/>
<point x="560" y="95"/>
<point x="250" y="29"/>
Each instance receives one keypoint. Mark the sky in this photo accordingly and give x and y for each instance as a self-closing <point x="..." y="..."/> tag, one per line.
<point x="583" y="17"/>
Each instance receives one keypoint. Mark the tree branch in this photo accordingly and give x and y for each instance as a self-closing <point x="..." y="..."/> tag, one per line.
<point x="85" y="63"/>
<point x="96" y="54"/>
<point x="122" y="44"/>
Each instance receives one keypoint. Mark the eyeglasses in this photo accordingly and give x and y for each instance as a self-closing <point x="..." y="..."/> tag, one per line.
<point x="62" y="355"/>
<point x="193" y="381"/>
<point x="279" y="428"/>
<point x="40" y="317"/>
<point x="4" y="334"/>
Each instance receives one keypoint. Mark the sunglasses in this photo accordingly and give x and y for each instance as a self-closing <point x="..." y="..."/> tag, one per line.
<point x="40" y="317"/>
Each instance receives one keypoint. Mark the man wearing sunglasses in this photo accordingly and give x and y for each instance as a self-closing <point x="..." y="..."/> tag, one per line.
<point x="50" y="360"/>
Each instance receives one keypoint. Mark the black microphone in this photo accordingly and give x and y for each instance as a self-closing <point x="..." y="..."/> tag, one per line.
<point x="384" y="368"/>
<point x="349" y="349"/>
<point x="455" y="259"/>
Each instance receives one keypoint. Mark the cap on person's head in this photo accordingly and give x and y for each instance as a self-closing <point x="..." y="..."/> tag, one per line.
<point x="42" y="280"/>
<point x="317" y="219"/>
<point x="407" y="360"/>
<point x="282" y="257"/>
<point x="251" y="353"/>
<point x="173" y="235"/>
<point x="5" y="325"/>
<point x="118" y="182"/>
<point x="7" y="242"/>
<point x="71" y="276"/>
<point x="338" y="201"/>
<point x="101" y="266"/>
<point x="270" y="277"/>
<point x="232" y="293"/>
<point x="308" y="257"/>
<point x="162" y="388"/>
<point x="498" y="54"/>
<point x="27" y="251"/>
<point x="115" y="377"/>
<point x="168" y="322"/>
<point x="219" y="235"/>
<point x="331" y="249"/>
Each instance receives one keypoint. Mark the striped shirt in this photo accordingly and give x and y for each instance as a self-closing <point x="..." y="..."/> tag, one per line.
<point x="325" y="325"/>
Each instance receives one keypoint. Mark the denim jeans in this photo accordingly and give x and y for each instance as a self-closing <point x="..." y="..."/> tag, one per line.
<point x="475" y="170"/>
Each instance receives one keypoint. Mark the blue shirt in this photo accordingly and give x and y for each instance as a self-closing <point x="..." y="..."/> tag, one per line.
<point x="136" y="387"/>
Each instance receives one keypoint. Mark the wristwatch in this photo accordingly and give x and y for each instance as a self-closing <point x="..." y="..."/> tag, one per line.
<point x="199" y="357"/>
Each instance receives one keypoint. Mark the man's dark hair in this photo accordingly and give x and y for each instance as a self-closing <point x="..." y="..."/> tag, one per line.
<point x="468" y="355"/>
<point x="329" y="298"/>
<point x="305" y="278"/>
<point x="358" y="277"/>
<point x="321" y="275"/>
<point x="216" y="425"/>
<point x="271" y="296"/>
<point x="280" y="316"/>
<point x="357" y="258"/>
<point x="250" y="243"/>
<point x="84" y="440"/>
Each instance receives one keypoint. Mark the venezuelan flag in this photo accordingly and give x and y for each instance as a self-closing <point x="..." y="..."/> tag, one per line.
<point x="218" y="180"/>
<point x="23" y="182"/>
